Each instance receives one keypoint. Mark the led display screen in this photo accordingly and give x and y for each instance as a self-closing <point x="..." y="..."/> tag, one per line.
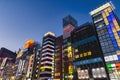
<point x="67" y="31"/>
<point x="3" y="62"/>
<point x="99" y="72"/>
<point x="83" y="74"/>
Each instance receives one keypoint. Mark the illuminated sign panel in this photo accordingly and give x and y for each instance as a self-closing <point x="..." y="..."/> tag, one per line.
<point x="112" y="27"/>
<point x="111" y="58"/>
<point x="29" y="65"/>
<point x="101" y="8"/>
<point x="29" y="43"/>
<point x="85" y="54"/>
<point x="3" y="63"/>
<point x="67" y="31"/>
<point x="99" y="72"/>
<point x="57" y="74"/>
<point x="20" y="67"/>
<point x="83" y="74"/>
<point x="70" y="68"/>
<point x="69" y="51"/>
<point x="19" y="54"/>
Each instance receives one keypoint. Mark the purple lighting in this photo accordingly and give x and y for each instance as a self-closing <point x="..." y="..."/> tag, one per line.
<point x="119" y="33"/>
<point x="112" y="25"/>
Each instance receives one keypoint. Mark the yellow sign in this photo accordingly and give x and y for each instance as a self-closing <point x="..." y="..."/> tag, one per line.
<point x="69" y="51"/>
<point x="85" y="54"/>
<point x="101" y="8"/>
<point x="70" y="68"/>
<point x="29" y="43"/>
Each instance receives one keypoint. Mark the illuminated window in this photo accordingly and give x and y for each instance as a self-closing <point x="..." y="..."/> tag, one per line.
<point x="118" y="52"/>
<point x="116" y="36"/>
<point x="81" y="55"/>
<point x="77" y="56"/>
<point x="85" y="54"/>
<point x="118" y="44"/>
<point x="103" y="14"/>
<point x="70" y="69"/>
<point x="36" y="70"/>
<point x="106" y="12"/>
<point x="103" y="31"/>
<point x="117" y="27"/>
<point x="76" y="50"/>
<point x="70" y="54"/>
<point x="69" y="51"/>
<point x="106" y="21"/>
<point x="114" y="30"/>
<point x="109" y="9"/>
<point x="36" y="75"/>
<point x="118" y="40"/>
<point x="115" y="22"/>
<point x="89" y="53"/>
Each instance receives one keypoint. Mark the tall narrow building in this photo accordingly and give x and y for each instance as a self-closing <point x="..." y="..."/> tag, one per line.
<point x="69" y="24"/>
<point x="58" y="58"/>
<point x="108" y="29"/>
<point x="27" y="62"/>
<point x="88" y="58"/>
<point x="47" y="60"/>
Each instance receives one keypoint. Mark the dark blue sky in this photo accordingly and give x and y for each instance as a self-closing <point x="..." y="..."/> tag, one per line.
<point x="31" y="19"/>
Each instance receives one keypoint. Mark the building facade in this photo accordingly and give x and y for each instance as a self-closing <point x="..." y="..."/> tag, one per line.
<point x="36" y="70"/>
<point x="88" y="58"/>
<point x="58" y="58"/>
<point x="47" y="59"/>
<point x="69" y="24"/>
<point x="27" y="61"/>
<point x="7" y="58"/>
<point x="108" y="29"/>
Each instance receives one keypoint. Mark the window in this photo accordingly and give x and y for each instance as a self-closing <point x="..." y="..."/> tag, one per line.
<point x="76" y="50"/>
<point x="85" y="54"/>
<point x="76" y="56"/>
<point x="37" y="70"/>
<point x="81" y="55"/>
<point x="102" y="44"/>
<point x="89" y="53"/>
<point x="36" y="75"/>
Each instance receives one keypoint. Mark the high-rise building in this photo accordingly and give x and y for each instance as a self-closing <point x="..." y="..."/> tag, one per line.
<point x="7" y="58"/>
<point x="88" y="58"/>
<point x="69" y="24"/>
<point x="5" y="53"/>
<point x="30" y="67"/>
<point x="36" y="65"/>
<point x="9" y="71"/>
<point x="47" y="59"/>
<point x="58" y="58"/>
<point x="108" y="29"/>
<point x="21" y="64"/>
<point x="27" y="61"/>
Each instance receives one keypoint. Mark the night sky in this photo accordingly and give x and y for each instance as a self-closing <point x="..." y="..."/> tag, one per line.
<point x="31" y="19"/>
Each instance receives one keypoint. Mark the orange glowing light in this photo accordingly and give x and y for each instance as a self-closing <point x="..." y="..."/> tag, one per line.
<point x="29" y="43"/>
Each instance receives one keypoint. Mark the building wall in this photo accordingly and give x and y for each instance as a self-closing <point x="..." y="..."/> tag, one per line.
<point x="88" y="59"/>
<point x="58" y="58"/>
<point x="47" y="60"/>
<point x="36" y="67"/>
<point x="69" y="24"/>
<point x="108" y="30"/>
<point x="7" y="53"/>
<point x="30" y="66"/>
